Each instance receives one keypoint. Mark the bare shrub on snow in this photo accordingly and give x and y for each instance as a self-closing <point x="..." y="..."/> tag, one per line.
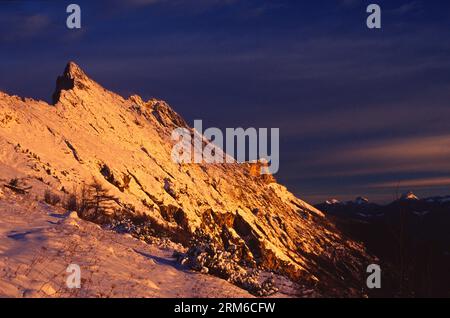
<point x="92" y="202"/>
<point x="71" y="202"/>
<point x="51" y="198"/>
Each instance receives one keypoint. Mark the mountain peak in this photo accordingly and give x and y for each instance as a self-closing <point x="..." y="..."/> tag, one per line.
<point x="332" y="202"/>
<point x="72" y="77"/>
<point x="74" y="71"/>
<point x="408" y="196"/>
<point x="361" y="200"/>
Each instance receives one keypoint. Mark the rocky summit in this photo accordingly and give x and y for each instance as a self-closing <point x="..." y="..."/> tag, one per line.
<point x="124" y="144"/>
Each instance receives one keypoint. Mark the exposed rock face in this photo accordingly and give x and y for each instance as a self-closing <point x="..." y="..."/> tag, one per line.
<point x="126" y="144"/>
<point x="260" y="169"/>
<point x="73" y="76"/>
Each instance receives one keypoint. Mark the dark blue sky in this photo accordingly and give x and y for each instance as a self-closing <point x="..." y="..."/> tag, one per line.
<point x="360" y="111"/>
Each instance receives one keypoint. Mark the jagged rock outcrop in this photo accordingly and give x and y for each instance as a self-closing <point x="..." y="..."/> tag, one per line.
<point x="126" y="144"/>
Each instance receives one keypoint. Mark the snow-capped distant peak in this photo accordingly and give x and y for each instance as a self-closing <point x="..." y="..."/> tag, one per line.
<point x="441" y="200"/>
<point x="332" y="202"/>
<point x="409" y="196"/>
<point x="361" y="200"/>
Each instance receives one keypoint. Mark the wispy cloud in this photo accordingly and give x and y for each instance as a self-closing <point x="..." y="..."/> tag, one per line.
<point x="192" y="3"/>
<point x="22" y="26"/>
<point x="414" y="183"/>
<point x="391" y="157"/>
<point x="349" y="3"/>
<point x="413" y="6"/>
<point x="143" y="2"/>
<point x="411" y="149"/>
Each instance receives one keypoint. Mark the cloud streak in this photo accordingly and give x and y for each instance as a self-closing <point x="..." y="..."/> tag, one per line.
<point x="415" y="183"/>
<point x="407" y="155"/>
<point x="23" y="26"/>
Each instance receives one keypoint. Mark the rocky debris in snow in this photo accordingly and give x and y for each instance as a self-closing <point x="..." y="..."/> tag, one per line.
<point x="17" y="186"/>
<point x="40" y="241"/>
<point x="206" y="257"/>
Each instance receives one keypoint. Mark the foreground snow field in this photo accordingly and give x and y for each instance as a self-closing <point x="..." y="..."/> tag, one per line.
<point x="38" y="242"/>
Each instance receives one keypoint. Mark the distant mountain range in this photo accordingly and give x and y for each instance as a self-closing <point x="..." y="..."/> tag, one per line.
<point x="361" y="207"/>
<point x="410" y="236"/>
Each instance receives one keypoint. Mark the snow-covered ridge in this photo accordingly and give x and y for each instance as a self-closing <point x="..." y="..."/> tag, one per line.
<point x="125" y="144"/>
